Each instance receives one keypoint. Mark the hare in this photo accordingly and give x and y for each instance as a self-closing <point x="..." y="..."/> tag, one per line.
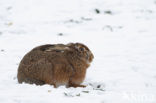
<point x="56" y="65"/>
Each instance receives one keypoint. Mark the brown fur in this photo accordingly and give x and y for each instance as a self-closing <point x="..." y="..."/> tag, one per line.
<point x="56" y="65"/>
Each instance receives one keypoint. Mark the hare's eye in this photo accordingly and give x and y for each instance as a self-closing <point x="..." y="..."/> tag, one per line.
<point x="81" y="49"/>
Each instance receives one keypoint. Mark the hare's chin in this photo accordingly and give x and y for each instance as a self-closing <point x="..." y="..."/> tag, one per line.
<point x="88" y="62"/>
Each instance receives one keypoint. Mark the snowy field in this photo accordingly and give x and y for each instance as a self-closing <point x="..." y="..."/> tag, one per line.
<point x="120" y="33"/>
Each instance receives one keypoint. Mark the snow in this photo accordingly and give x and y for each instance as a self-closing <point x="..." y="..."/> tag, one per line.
<point x="122" y="38"/>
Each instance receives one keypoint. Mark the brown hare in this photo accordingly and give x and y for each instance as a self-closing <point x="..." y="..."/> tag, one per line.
<point x="56" y="65"/>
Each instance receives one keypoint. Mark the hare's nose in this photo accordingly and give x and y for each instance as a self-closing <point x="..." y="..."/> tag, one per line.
<point x="87" y="56"/>
<point x="90" y="56"/>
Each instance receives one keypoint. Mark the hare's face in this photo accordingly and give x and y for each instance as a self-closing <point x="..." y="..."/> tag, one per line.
<point x="84" y="52"/>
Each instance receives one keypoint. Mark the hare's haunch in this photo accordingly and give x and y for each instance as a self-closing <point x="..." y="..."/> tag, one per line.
<point x="56" y="65"/>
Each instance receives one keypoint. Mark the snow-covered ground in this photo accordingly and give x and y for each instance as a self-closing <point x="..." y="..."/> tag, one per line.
<point x="120" y="33"/>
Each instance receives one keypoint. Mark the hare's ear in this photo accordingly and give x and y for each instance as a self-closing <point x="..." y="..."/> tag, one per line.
<point x="79" y="47"/>
<point x="70" y="44"/>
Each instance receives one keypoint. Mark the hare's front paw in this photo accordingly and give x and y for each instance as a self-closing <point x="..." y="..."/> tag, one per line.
<point x="76" y="85"/>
